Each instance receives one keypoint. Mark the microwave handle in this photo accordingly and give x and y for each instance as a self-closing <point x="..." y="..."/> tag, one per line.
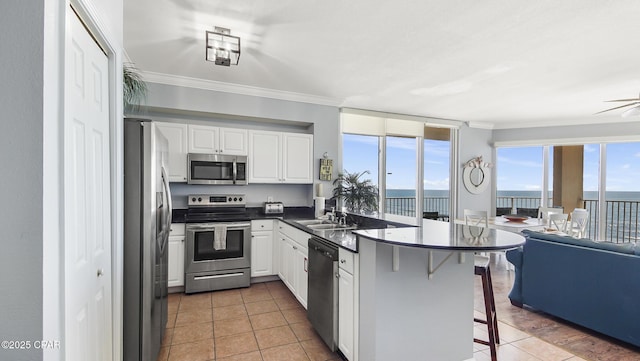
<point x="235" y="171"/>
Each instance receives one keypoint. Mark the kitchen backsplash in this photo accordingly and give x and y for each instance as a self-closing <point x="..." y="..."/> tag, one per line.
<point x="292" y="195"/>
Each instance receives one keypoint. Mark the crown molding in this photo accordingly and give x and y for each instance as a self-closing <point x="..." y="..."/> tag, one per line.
<point x="183" y="81"/>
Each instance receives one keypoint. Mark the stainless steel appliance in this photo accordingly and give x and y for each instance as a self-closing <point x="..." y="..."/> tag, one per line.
<point x="273" y="208"/>
<point x="216" y="169"/>
<point x="147" y="221"/>
<point x="322" y="300"/>
<point x="218" y="243"/>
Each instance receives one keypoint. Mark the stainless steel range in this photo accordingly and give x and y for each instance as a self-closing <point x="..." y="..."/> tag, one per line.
<point x="218" y="248"/>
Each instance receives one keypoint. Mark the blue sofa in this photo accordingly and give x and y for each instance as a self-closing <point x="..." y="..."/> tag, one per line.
<point x="592" y="284"/>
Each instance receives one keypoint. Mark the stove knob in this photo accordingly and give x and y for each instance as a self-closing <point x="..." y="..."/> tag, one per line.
<point x="240" y="199"/>
<point x="230" y="199"/>
<point x="193" y="199"/>
<point x="235" y="199"/>
<point x="199" y="199"/>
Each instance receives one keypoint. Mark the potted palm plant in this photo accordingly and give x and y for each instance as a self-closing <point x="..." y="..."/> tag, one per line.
<point x="134" y="89"/>
<point x="357" y="194"/>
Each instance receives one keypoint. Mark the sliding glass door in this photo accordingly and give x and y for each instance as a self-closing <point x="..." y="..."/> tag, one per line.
<point x="401" y="176"/>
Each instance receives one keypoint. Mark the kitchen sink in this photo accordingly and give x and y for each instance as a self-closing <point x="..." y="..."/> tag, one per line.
<point x="308" y="222"/>
<point x="329" y="226"/>
<point x="322" y="224"/>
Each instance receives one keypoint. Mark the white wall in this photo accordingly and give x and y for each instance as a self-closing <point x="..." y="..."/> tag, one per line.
<point x="31" y="96"/>
<point x="21" y="184"/>
<point x="252" y="112"/>
<point x="474" y="142"/>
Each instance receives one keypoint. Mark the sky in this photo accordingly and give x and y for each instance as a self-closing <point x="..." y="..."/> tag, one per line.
<point x="361" y="153"/>
<point x="518" y="168"/>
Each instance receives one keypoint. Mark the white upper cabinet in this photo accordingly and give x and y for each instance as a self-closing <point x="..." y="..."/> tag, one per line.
<point x="234" y="141"/>
<point x="265" y="161"/>
<point x="297" y="159"/>
<point x="176" y="134"/>
<point x="277" y="157"/>
<point x="212" y="140"/>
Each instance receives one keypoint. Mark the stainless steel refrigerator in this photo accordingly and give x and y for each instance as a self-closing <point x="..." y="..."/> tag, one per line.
<point x="147" y="221"/>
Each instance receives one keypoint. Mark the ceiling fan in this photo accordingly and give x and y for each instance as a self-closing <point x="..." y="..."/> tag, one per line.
<point x="635" y="102"/>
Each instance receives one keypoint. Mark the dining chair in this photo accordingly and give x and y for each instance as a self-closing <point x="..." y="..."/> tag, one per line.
<point x="578" y="223"/>
<point x="544" y="212"/>
<point x="558" y="221"/>
<point x="476" y="218"/>
<point x="482" y="269"/>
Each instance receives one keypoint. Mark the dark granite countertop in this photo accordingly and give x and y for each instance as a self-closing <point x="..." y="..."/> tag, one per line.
<point x="446" y="236"/>
<point x="342" y="238"/>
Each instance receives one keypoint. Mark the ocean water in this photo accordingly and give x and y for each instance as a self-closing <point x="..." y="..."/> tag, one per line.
<point x="590" y="195"/>
<point x="623" y="208"/>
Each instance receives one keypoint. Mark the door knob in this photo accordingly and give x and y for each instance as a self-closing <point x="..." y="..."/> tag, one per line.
<point x="100" y="272"/>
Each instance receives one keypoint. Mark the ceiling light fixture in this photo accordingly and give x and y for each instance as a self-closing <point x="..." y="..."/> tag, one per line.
<point x="221" y="47"/>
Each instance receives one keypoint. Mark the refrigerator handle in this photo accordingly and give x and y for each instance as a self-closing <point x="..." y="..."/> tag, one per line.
<point x="167" y="194"/>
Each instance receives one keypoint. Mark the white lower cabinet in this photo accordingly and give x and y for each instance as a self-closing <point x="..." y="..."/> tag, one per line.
<point x="301" y="270"/>
<point x="262" y="248"/>
<point x="176" y="255"/>
<point x="347" y="304"/>
<point x="293" y="260"/>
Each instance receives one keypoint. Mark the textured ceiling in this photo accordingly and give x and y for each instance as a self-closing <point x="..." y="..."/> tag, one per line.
<point x="492" y="63"/>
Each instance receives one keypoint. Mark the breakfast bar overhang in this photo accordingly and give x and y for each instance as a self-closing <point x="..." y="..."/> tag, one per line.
<point x="416" y="289"/>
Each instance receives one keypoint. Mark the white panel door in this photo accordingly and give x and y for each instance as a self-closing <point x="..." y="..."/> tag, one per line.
<point x="87" y="199"/>
<point x="265" y="160"/>
<point x="176" y="134"/>
<point x="261" y="253"/>
<point x="297" y="163"/>
<point x="345" y="315"/>
<point x="176" y="261"/>
<point x="234" y="141"/>
<point x="203" y="139"/>
<point x="301" y="268"/>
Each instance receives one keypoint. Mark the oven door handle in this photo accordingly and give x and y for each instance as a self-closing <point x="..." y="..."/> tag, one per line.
<point x="211" y="225"/>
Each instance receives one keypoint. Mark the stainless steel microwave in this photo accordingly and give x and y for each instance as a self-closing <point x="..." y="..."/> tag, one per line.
<point x="216" y="169"/>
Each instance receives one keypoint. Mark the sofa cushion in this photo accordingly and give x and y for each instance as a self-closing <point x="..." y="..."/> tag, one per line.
<point x="626" y="248"/>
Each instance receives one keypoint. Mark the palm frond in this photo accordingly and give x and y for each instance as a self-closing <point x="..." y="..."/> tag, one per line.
<point x="134" y="89"/>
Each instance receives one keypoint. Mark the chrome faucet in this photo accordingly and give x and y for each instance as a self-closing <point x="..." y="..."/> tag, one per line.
<point x="342" y="220"/>
<point x="332" y="214"/>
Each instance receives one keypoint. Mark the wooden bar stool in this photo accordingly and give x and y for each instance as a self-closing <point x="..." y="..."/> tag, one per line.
<point x="482" y="269"/>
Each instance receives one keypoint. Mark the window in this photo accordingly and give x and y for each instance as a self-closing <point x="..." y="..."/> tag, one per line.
<point x="622" y="196"/>
<point x="437" y="168"/>
<point x="519" y="182"/>
<point x="401" y="176"/>
<point x="607" y="181"/>
<point x="407" y="160"/>
<point x="360" y="156"/>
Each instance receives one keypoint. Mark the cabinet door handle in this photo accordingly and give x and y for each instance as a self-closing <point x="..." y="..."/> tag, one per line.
<point x="306" y="262"/>
<point x="343" y="261"/>
<point x="294" y="247"/>
<point x="337" y="275"/>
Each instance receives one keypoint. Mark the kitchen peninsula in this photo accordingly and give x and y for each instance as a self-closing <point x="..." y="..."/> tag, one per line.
<point x="415" y="289"/>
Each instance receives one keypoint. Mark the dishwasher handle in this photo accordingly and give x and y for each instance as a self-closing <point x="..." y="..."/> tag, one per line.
<point x="324" y="249"/>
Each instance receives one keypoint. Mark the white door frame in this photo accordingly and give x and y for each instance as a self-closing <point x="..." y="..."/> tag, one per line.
<point x="56" y="27"/>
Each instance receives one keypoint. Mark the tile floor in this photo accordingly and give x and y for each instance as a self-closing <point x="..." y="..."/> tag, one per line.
<point x="265" y="322"/>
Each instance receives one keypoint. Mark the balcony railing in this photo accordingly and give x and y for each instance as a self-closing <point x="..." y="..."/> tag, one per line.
<point x="622" y="225"/>
<point x="407" y="206"/>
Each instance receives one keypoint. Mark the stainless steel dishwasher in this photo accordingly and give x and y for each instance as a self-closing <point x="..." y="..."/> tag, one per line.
<point x="322" y="300"/>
